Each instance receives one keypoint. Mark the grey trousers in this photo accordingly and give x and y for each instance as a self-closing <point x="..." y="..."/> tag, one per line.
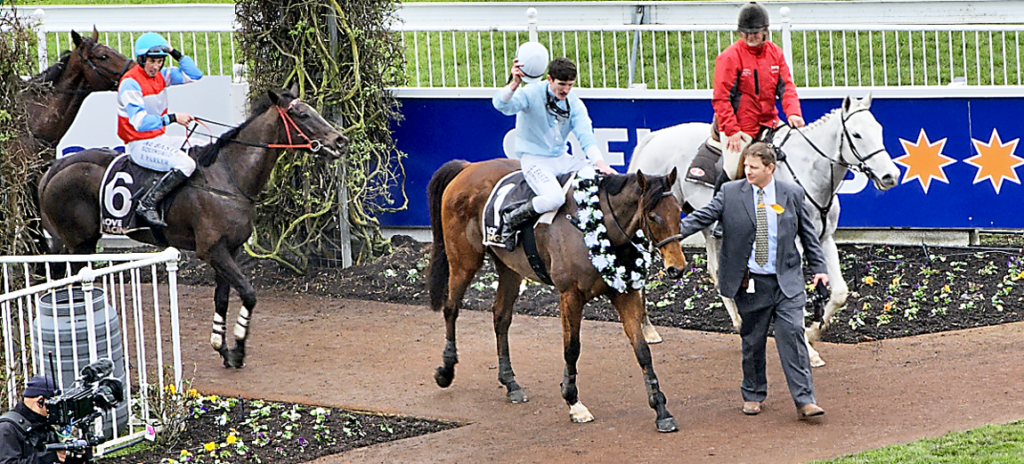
<point x="758" y="309"/>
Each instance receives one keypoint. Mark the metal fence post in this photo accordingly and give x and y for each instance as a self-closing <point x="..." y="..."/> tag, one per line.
<point x="787" y="40"/>
<point x="39" y="15"/>
<point x="531" y="23"/>
<point x="638" y="18"/>
<point x="343" y="226"/>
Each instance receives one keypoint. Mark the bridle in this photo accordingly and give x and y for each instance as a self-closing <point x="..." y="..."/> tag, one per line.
<point x="846" y="139"/>
<point x="289" y="124"/>
<point x="104" y="73"/>
<point x="646" y="225"/>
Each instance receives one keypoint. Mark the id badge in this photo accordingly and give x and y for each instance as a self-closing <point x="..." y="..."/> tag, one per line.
<point x="750" y="285"/>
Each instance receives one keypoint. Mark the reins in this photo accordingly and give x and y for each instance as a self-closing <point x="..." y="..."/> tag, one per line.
<point x="643" y="217"/>
<point x="311" y="145"/>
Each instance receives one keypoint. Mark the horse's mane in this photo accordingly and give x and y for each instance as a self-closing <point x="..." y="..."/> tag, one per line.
<point x="657" y="186"/>
<point x="821" y="121"/>
<point x="52" y="73"/>
<point x="207" y="154"/>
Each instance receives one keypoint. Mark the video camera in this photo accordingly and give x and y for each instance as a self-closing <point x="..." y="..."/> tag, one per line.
<point x="94" y="393"/>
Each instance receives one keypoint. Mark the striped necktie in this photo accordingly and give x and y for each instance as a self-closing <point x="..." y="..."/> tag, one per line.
<point x="761" y="244"/>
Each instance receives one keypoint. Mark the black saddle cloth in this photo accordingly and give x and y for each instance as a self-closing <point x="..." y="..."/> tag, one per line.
<point x="706" y="167"/>
<point x="123" y="185"/>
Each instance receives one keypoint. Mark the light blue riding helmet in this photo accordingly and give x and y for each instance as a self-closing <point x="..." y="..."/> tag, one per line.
<point x="150" y="44"/>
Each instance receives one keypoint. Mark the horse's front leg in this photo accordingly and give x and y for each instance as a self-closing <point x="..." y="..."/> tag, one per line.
<point x="508" y="292"/>
<point x="223" y="262"/>
<point x="571" y="308"/>
<point x="651" y="335"/>
<point x="630" y="307"/>
<point x="837" y="298"/>
<point x="712" y="245"/>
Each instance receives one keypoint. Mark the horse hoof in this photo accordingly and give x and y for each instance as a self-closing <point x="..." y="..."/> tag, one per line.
<point x="443" y="381"/>
<point x="667" y="425"/>
<point x="816" y="361"/>
<point x="652" y="337"/>
<point x="517" y="396"/>
<point x="579" y="413"/>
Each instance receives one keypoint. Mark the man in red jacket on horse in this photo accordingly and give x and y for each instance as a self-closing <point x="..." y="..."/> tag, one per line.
<point x="750" y="76"/>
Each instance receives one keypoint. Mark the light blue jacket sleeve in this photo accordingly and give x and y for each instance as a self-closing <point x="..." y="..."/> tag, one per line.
<point x="520" y="101"/>
<point x="582" y="126"/>
<point x="186" y="72"/>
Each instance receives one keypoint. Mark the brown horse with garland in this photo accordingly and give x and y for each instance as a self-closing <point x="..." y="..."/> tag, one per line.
<point x="632" y="206"/>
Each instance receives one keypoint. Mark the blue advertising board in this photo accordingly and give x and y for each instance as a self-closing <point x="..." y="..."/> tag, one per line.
<point x="957" y="154"/>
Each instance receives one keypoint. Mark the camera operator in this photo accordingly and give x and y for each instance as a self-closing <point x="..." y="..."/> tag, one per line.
<point x="24" y="432"/>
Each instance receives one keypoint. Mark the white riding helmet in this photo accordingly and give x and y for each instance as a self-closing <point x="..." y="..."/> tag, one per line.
<point x="534" y="60"/>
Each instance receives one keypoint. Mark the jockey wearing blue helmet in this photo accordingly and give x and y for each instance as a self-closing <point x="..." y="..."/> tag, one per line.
<point x="142" y="117"/>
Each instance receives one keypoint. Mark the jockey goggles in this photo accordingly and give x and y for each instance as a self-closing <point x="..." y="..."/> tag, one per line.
<point x="554" y="109"/>
<point x="158" y="50"/>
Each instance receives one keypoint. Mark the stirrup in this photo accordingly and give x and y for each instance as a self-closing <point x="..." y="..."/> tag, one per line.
<point x="150" y="215"/>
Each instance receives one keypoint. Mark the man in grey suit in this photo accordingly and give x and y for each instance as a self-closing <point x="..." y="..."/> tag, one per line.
<point x="760" y="268"/>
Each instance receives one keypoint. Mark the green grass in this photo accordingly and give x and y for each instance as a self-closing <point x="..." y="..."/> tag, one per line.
<point x="682" y="59"/>
<point x="991" y="444"/>
<point x="216" y="62"/>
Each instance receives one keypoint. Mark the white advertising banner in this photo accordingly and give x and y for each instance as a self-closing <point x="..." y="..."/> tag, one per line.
<point x="213" y="97"/>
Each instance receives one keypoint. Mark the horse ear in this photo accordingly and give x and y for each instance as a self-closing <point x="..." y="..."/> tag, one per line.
<point x="294" y="89"/>
<point x="847" y="104"/>
<point x="274" y="95"/>
<point x="77" y="39"/>
<point x="867" y="101"/>
<point x="672" y="177"/>
<point x="641" y="180"/>
<point x="95" y="34"/>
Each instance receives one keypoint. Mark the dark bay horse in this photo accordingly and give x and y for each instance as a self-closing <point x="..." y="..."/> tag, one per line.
<point x="630" y="203"/>
<point x="212" y="213"/>
<point x="55" y="95"/>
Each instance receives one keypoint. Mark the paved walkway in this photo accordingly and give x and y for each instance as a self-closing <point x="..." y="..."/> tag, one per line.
<point x="381" y="357"/>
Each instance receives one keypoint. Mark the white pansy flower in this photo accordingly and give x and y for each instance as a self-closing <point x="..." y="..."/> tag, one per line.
<point x="590" y="240"/>
<point x="605" y="243"/>
<point x="619" y="284"/>
<point x="640" y="262"/>
<point x="598" y="214"/>
<point x="600" y="261"/>
<point x="640" y="234"/>
<point x="635" y="276"/>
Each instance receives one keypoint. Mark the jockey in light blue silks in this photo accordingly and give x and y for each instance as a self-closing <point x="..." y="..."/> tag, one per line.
<point x="142" y="117"/>
<point x="545" y="114"/>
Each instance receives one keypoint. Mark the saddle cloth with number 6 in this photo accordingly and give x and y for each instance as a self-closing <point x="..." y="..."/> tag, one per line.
<point x="123" y="185"/>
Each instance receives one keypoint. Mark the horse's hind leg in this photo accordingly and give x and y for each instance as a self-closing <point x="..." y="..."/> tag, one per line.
<point x="227" y="270"/>
<point x="713" y="246"/>
<point x="571" y="308"/>
<point x="837" y="298"/>
<point x="460" y="275"/>
<point x="630" y="307"/>
<point x="508" y="292"/>
<point x="220" y="304"/>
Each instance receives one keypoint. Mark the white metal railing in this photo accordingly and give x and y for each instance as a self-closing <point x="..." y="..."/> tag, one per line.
<point x="661" y="45"/>
<point x="120" y="278"/>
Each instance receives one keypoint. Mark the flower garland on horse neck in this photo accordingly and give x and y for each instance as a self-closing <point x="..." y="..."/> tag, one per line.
<point x="621" y="267"/>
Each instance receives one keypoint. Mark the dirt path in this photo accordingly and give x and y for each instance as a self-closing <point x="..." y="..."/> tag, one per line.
<point x="381" y="357"/>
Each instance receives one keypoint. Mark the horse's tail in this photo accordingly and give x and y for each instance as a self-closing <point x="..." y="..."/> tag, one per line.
<point x="438" y="256"/>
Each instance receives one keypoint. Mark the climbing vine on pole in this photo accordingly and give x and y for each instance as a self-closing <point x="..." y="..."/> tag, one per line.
<point x="344" y="59"/>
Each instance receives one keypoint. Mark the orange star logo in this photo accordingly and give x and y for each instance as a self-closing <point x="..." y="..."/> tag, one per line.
<point x="924" y="161"/>
<point x="995" y="161"/>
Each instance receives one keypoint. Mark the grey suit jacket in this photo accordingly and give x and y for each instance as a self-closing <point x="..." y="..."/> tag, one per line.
<point x="734" y="207"/>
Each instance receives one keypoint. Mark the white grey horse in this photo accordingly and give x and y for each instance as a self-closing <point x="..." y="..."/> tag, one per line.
<point x="817" y="157"/>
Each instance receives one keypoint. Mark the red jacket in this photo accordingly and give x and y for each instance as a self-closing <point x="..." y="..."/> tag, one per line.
<point x="747" y="83"/>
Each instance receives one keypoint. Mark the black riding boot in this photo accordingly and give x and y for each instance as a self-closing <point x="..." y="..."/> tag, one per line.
<point x="512" y="219"/>
<point x="148" y="203"/>
<point x="722" y="178"/>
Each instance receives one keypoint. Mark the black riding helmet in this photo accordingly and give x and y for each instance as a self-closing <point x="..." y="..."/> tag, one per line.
<point x="753" y="18"/>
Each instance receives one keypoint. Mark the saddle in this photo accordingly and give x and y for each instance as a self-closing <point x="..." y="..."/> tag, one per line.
<point x="124" y="183"/>
<point x="509" y="192"/>
<point x="707" y="166"/>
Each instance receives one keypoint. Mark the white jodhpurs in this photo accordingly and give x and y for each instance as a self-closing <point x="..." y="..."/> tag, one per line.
<point x="731" y="159"/>
<point x="541" y="172"/>
<point x="161" y="153"/>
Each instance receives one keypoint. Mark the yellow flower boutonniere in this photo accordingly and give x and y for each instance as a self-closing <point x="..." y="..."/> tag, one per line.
<point x="775" y="207"/>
